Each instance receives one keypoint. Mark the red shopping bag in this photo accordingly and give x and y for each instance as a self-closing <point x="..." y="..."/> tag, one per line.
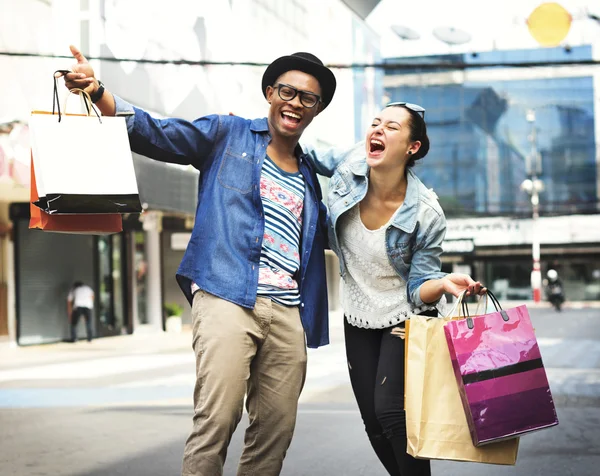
<point x="85" y="224"/>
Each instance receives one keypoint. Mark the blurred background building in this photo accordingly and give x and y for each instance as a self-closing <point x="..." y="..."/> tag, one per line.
<point x="503" y="111"/>
<point x="485" y="124"/>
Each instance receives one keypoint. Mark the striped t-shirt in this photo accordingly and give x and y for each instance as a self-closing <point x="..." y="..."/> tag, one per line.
<point x="282" y="195"/>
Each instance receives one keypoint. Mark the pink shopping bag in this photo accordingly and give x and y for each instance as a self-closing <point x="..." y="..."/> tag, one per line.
<point x="500" y="374"/>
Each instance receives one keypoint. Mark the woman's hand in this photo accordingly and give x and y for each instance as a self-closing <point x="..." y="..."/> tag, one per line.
<point x="456" y="283"/>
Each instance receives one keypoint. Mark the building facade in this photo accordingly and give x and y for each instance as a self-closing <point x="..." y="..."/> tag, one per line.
<point x="492" y="128"/>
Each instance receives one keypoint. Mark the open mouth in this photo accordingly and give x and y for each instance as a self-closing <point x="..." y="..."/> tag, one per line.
<point x="376" y="146"/>
<point x="291" y="118"/>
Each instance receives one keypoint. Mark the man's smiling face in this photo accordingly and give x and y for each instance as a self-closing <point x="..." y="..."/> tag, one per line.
<point x="290" y="118"/>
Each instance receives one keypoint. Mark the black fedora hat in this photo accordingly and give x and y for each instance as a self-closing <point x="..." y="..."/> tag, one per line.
<point x="306" y="63"/>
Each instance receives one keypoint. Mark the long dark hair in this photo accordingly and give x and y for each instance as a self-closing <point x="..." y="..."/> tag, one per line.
<point x="418" y="132"/>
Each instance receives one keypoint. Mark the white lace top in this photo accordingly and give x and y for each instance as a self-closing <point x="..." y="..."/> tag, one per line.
<point x="373" y="295"/>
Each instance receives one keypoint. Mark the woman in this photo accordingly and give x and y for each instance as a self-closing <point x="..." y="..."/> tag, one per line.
<point x="387" y="229"/>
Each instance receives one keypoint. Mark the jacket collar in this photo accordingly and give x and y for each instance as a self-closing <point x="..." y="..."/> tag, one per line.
<point x="262" y="125"/>
<point x="406" y="218"/>
<point x="259" y="125"/>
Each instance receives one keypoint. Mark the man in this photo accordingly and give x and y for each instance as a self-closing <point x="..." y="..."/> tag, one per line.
<point x="254" y="270"/>
<point x="80" y="303"/>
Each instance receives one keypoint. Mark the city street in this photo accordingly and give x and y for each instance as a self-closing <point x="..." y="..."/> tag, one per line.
<point x="122" y="406"/>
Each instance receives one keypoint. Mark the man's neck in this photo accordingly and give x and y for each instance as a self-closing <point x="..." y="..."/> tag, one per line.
<point x="281" y="151"/>
<point x="284" y="146"/>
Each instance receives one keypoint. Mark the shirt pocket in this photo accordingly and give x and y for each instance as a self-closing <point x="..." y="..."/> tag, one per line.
<point x="338" y="186"/>
<point x="236" y="171"/>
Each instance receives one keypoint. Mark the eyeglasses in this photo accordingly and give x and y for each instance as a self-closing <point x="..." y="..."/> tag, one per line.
<point x="287" y="93"/>
<point x="413" y="107"/>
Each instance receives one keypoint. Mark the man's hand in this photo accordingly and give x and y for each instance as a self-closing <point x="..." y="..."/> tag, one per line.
<point x="456" y="283"/>
<point x="82" y="75"/>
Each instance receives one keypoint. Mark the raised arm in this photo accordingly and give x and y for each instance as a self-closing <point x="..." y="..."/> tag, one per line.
<point x="168" y="140"/>
<point x="326" y="161"/>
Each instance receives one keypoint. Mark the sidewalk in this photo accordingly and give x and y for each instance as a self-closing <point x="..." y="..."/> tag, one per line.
<point x="14" y="357"/>
<point x="145" y="343"/>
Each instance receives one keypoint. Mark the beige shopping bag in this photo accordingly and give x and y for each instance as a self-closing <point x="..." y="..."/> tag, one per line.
<point x="436" y="424"/>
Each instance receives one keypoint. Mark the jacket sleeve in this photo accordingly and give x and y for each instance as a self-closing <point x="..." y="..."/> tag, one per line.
<point x="170" y="140"/>
<point x="426" y="261"/>
<point x="325" y="161"/>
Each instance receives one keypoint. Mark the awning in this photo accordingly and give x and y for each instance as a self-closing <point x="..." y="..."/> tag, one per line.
<point x="166" y="187"/>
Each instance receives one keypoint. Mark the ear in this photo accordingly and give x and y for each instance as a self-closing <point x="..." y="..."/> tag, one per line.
<point x="320" y="108"/>
<point x="270" y="91"/>
<point x="415" y="146"/>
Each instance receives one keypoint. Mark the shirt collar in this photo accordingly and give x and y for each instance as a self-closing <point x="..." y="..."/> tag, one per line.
<point x="259" y="125"/>
<point x="262" y="125"/>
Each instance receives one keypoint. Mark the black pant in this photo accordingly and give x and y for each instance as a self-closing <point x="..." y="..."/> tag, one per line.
<point x="75" y="315"/>
<point x="376" y="366"/>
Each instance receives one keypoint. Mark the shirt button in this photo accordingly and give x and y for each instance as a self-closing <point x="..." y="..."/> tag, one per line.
<point x="257" y="239"/>
<point x="252" y="267"/>
<point x="301" y="304"/>
<point x="244" y="154"/>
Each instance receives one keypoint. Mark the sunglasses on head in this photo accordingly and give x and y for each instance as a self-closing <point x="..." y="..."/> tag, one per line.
<point x="413" y="107"/>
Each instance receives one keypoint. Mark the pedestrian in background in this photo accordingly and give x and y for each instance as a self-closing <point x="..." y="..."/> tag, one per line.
<point x="387" y="229"/>
<point x="254" y="269"/>
<point x="80" y="303"/>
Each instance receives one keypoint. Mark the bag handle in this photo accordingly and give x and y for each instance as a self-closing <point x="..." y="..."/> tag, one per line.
<point x="87" y="100"/>
<point x="459" y="300"/>
<point x="497" y="306"/>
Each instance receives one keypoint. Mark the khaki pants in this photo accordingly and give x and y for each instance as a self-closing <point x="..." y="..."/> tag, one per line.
<point x="260" y="352"/>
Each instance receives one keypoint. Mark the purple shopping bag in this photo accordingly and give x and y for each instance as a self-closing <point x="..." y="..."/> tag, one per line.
<point x="500" y="374"/>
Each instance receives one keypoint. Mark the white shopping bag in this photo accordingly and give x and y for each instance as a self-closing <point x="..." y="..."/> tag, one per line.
<point x="83" y="164"/>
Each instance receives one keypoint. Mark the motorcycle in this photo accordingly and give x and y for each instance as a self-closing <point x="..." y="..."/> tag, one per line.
<point x="556" y="295"/>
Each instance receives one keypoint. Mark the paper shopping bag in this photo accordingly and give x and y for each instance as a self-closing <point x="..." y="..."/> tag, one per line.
<point x="85" y="224"/>
<point x="83" y="164"/>
<point x="436" y="424"/>
<point x="501" y="377"/>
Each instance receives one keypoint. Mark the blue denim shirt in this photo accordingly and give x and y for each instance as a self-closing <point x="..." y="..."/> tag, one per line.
<point x="223" y="254"/>
<point x="414" y="237"/>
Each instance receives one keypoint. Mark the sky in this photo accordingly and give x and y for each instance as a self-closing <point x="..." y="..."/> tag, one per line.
<point x="499" y="24"/>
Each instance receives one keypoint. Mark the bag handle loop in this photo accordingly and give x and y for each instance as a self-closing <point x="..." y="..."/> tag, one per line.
<point x="497" y="306"/>
<point x="87" y="100"/>
<point x="459" y="300"/>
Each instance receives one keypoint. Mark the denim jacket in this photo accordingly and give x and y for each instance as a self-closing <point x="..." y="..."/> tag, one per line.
<point x="223" y="254"/>
<point x="414" y="237"/>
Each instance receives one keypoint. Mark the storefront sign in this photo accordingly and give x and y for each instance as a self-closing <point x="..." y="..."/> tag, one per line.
<point x="503" y="231"/>
<point x="458" y="246"/>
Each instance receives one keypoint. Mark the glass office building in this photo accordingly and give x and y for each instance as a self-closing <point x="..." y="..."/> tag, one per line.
<point x="492" y="127"/>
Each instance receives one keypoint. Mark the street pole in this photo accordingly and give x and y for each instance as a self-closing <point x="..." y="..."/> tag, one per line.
<point x="536" y="187"/>
<point x="536" y="273"/>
